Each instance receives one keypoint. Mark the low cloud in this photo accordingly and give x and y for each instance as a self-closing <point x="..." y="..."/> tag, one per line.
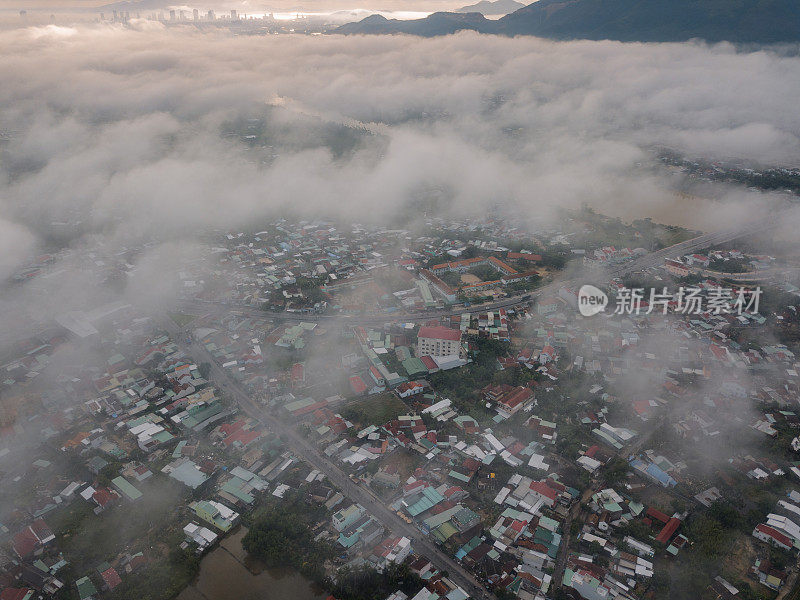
<point x="114" y="136"/>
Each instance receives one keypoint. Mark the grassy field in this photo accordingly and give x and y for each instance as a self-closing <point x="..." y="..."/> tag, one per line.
<point x="88" y="539"/>
<point x="181" y="319"/>
<point x="377" y="410"/>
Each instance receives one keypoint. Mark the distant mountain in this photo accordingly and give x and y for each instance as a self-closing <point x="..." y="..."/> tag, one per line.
<point x="487" y="7"/>
<point x="757" y="21"/>
<point x="738" y="21"/>
<point x="440" y="23"/>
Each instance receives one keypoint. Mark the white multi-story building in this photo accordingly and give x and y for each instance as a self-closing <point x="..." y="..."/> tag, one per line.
<point x="438" y="341"/>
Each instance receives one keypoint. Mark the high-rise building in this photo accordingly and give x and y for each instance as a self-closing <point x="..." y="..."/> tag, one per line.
<point x="233" y="14"/>
<point x="210" y="15"/>
<point x="172" y="15"/>
<point x="195" y="14"/>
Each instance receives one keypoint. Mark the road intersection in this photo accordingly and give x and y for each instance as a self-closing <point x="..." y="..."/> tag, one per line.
<point x="301" y="447"/>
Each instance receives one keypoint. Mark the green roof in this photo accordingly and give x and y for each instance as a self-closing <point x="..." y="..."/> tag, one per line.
<point x="444" y="531"/>
<point x="103" y="567"/>
<point x="234" y="488"/>
<point x="299" y="404"/>
<point x="430" y="498"/>
<point x="86" y="588"/>
<point x="414" y="366"/>
<point x="459" y="476"/>
<point x="436" y="520"/>
<point x="126" y="488"/>
<point x="197" y="414"/>
<point x="163" y="436"/>
<point x="178" y="449"/>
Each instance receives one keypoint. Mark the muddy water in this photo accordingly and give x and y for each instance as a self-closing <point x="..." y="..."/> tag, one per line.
<point x="227" y="572"/>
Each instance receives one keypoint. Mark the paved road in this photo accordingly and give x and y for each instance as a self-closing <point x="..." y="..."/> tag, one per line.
<point x="302" y="448"/>
<point x="652" y="259"/>
<point x="563" y="551"/>
<point x="308" y="452"/>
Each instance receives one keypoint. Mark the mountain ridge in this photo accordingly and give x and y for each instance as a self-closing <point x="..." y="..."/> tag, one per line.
<point x="489" y="7"/>
<point x="736" y="21"/>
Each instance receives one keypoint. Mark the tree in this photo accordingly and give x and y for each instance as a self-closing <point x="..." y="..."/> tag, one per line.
<point x="709" y="535"/>
<point x="615" y="470"/>
<point x="281" y="536"/>
<point x="726" y="514"/>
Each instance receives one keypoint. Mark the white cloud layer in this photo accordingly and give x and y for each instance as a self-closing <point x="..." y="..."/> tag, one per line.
<point x="124" y="130"/>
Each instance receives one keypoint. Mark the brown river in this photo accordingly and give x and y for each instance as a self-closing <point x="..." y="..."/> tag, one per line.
<point x="227" y="572"/>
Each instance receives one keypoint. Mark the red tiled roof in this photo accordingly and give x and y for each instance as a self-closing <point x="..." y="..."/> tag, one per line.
<point x="111" y="577"/>
<point x="103" y="497"/>
<point x="543" y="489"/>
<point x="310" y="408"/>
<point x="429" y="363"/>
<point x="669" y="530"/>
<point x="774" y="533"/>
<point x="440" y="333"/>
<point x="243" y="436"/>
<point x="409" y="385"/>
<point x="452" y="490"/>
<point x="298" y="372"/>
<point x="25" y="542"/>
<point x="524" y="256"/>
<point x="458" y="263"/>
<point x="14" y="593"/>
<point x="41" y="529"/>
<point x="519" y="396"/>
<point x="358" y="385"/>
<point x="718" y="351"/>
<point x="657" y="514"/>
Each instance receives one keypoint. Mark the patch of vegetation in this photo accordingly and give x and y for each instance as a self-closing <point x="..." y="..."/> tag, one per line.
<point x="161" y="579"/>
<point x="484" y="273"/>
<point x="182" y="319"/>
<point x="463" y="385"/>
<point x="733" y="265"/>
<point x="368" y="584"/>
<point x="280" y="536"/>
<point x="451" y="278"/>
<point x="88" y="539"/>
<point x="375" y="410"/>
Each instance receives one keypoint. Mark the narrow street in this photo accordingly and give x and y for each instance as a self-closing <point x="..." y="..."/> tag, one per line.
<point x="563" y="551"/>
<point x="306" y="451"/>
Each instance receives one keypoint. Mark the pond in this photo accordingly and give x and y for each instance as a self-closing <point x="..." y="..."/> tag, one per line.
<point x="228" y="572"/>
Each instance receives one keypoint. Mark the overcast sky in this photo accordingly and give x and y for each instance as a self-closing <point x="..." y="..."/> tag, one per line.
<point x="248" y="6"/>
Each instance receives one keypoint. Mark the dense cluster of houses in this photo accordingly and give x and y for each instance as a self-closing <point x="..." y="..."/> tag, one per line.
<point x="512" y="481"/>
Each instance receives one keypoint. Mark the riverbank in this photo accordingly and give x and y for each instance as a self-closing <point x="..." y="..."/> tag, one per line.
<point x="229" y="572"/>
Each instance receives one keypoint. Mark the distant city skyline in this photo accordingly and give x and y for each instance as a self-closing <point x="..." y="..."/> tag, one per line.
<point x="246" y="6"/>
